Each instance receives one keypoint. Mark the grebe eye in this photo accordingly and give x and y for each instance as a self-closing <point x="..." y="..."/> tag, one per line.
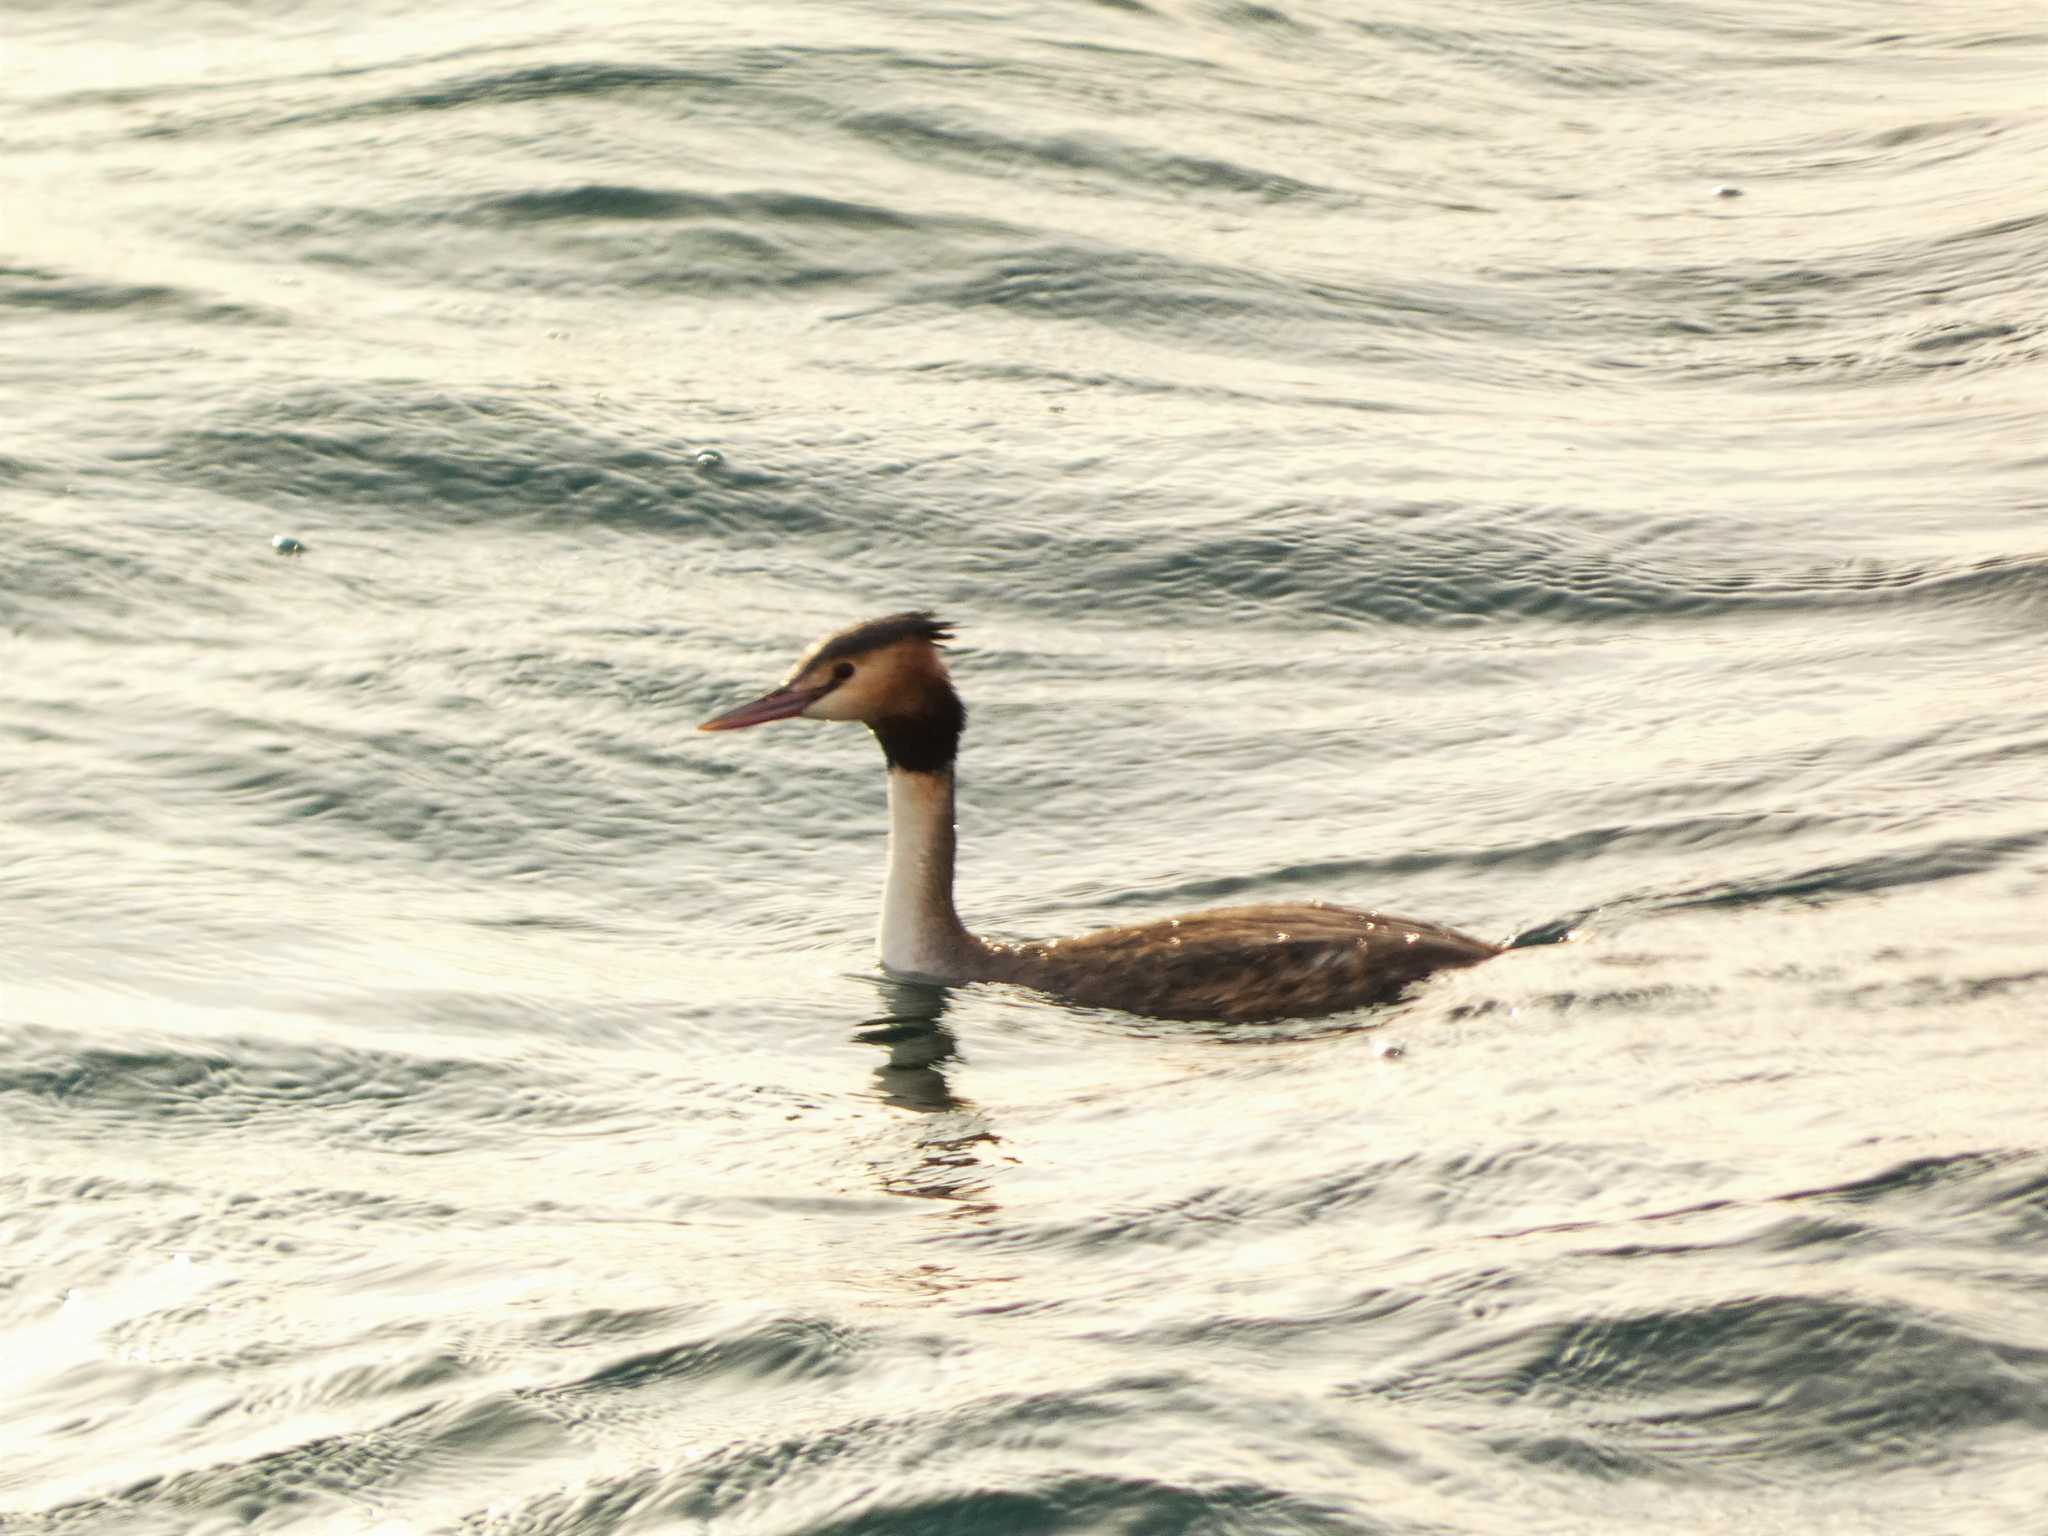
<point x="843" y="671"/>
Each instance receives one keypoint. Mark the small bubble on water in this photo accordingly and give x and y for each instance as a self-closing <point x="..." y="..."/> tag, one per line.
<point x="708" y="458"/>
<point x="285" y="544"/>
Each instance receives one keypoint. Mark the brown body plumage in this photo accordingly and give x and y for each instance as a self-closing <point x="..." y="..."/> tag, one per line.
<point x="1283" y="960"/>
<point x="1230" y="963"/>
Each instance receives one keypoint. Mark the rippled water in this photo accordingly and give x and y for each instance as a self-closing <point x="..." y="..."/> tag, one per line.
<point x="1559" y="467"/>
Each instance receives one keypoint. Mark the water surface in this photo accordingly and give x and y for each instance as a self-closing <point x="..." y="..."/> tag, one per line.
<point x="1566" y="467"/>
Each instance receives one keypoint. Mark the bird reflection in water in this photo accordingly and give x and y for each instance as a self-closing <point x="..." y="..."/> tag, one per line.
<point x="944" y="1159"/>
<point x="914" y="1033"/>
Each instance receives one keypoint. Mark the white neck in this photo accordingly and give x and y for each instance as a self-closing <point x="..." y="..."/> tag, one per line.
<point x="921" y="933"/>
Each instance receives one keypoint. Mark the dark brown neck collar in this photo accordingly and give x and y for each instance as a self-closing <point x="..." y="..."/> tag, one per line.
<point x="927" y="741"/>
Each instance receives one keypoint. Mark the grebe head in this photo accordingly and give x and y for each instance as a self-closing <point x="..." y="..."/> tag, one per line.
<point x="886" y="673"/>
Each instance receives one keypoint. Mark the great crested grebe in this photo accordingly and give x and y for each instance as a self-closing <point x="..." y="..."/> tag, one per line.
<point x="1287" y="959"/>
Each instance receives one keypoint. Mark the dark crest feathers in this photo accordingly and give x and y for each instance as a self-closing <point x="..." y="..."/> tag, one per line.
<point x="876" y="633"/>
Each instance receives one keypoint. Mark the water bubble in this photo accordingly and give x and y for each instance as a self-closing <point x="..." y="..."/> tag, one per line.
<point x="708" y="458"/>
<point x="285" y="544"/>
